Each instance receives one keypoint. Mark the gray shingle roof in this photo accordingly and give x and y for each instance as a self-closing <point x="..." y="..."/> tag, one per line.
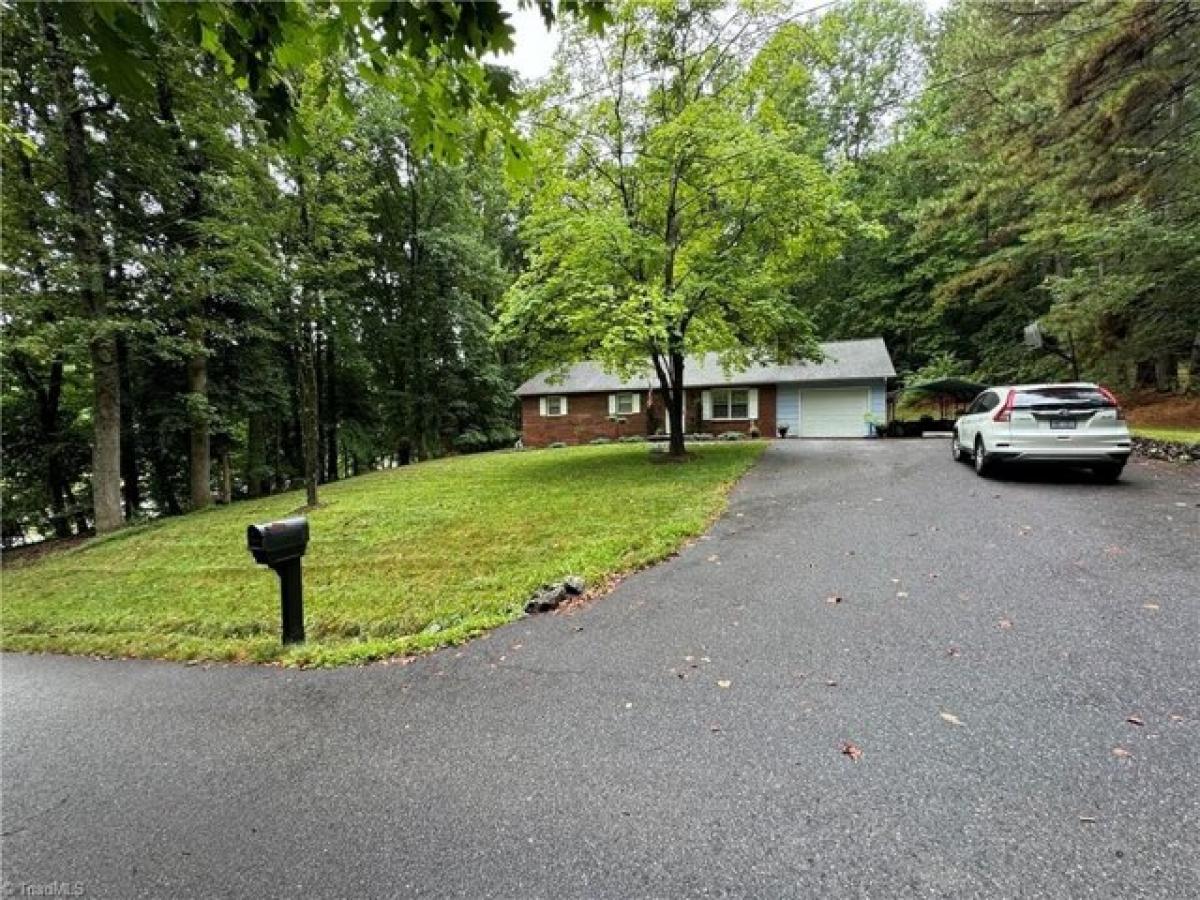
<point x="843" y="360"/>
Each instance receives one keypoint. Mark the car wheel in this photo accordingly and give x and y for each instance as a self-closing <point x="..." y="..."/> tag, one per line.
<point x="1108" y="472"/>
<point x="983" y="462"/>
<point x="957" y="453"/>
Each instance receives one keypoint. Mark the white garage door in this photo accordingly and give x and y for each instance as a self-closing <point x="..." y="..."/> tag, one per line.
<point x="833" y="412"/>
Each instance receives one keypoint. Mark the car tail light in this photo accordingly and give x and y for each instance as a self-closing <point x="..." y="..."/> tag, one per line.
<point x="1004" y="413"/>
<point x="1112" y="398"/>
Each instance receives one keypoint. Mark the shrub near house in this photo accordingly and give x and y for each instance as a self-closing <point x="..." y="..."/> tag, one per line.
<point x="835" y="397"/>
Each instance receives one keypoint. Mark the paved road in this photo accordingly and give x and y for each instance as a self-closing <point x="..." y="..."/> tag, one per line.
<point x="583" y="755"/>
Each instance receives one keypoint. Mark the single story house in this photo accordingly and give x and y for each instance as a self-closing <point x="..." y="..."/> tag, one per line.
<point x="840" y="396"/>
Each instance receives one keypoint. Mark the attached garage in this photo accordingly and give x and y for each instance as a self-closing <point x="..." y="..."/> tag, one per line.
<point x="833" y="412"/>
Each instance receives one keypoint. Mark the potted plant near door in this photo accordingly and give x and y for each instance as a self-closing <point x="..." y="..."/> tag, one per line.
<point x="783" y="430"/>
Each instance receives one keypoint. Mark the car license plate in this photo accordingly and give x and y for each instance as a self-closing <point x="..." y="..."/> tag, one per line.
<point x="1065" y="424"/>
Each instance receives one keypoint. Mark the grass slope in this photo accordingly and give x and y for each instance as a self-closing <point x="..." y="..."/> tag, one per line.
<point x="1179" y="435"/>
<point x="400" y="560"/>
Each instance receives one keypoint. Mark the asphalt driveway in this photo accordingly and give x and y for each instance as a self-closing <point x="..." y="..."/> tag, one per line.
<point x="994" y="649"/>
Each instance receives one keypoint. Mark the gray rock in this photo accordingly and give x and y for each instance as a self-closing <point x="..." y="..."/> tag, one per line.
<point x="574" y="585"/>
<point x="546" y="599"/>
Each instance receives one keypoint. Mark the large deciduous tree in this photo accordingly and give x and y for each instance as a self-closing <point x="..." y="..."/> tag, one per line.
<point x="672" y="205"/>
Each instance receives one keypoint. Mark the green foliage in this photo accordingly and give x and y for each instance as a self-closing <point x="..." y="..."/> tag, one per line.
<point x="459" y="543"/>
<point x="435" y="48"/>
<point x="675" y="221"/>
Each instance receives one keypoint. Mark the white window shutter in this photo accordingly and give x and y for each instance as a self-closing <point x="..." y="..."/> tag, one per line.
<point x="752" y="403"/>
<point x="612" y="404"/>
<point x="564" y="404"/>
<point x="541" y="406"/>
<point x="637" y="402"/>
<point x="706" y="405"/>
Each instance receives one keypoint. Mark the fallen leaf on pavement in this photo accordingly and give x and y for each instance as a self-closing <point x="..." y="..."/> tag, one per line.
<point x="833" y="598"/>
<point x="952" y="719"/>
<point x="1175" y="717"/>
<point x="715" y="729"/>
<point x="851" y="749"/>
<point x="724" y="684"/>
<point x="953" y="651"/>
<point x="1121" y="753"/>
<point x="1149" y="606"/>
<point x="901" y="594"/>
<point x="1087" y="819"/>
<point x="713" y="558"/>
<point x="1004" y="623"/>
<point x="1134" y="720"/>
<point x="830" y="684"/>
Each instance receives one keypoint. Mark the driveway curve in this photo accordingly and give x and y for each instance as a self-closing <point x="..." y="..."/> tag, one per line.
<point x="1016" y="660"/>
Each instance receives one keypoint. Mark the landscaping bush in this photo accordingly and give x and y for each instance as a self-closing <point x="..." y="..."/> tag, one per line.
<point x="503" y="436"/>
<point x="632" y="439"/>
<point x="472" y="441"/>
<point x="476" y="441"/>
<point x="556" y="445"/>
<point x="733" y="436"/>
<point x="702" y="436"/>
<point x="600" y="440"/>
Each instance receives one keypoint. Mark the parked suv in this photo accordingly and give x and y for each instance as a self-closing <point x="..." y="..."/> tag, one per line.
<point x="1075" y="424"/>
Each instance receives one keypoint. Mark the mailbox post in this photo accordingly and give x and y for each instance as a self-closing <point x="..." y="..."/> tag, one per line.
<point x="280" y="545"/>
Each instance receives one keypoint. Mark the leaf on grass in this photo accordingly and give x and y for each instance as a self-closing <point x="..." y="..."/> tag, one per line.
<point x="852" y="750"/>
<point x="1121" y="753"/>
<point x="952" y="719"/>
<point x="1135" y="720"/>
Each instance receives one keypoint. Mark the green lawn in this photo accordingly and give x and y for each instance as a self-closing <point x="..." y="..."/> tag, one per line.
<point x="1180" y="435"/>
<point x="400" y="560"/>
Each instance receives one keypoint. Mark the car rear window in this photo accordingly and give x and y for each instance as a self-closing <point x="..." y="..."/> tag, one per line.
<point x="1061" y="396"/>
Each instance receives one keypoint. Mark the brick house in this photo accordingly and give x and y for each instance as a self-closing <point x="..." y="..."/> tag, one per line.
<point x="839" y="396"/>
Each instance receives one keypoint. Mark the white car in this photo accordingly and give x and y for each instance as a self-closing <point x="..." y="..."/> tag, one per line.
<point x="1075" y="424"/>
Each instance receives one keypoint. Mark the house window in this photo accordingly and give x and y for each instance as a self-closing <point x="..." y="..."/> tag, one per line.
<point x="730" y="403"/>
<point x="624" y="405"/>
<point x="555" y="405"/>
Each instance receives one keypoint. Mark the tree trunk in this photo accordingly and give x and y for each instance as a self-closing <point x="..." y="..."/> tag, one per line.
<point x="49" y="398"/>
<point x="131" y="486"/>
<point x="1193" y="385"/>
<point x="226" y="477"/>
<point x="200" y="455"/>
<point x="89" y="260"/>
<point x="256" y="446"/>
<point x="1165" y="372"/>
<point x="1146" y="374"/>
<point x="675" y="415"/>
<point x="309" y="421"/>
<point x="331" y="410"/>
<point x="106" y="421"/>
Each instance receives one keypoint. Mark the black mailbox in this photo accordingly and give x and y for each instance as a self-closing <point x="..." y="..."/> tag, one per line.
<point x="280" y="546"/>
<point x="276" y="542"/>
